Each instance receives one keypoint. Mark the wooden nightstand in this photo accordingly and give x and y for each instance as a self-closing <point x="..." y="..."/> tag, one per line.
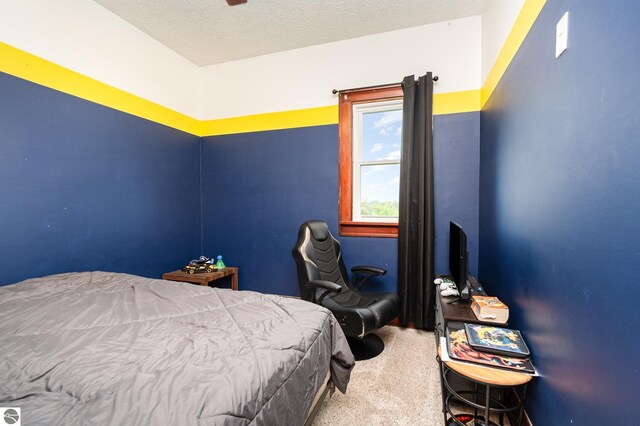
<point x="205" y="278"/>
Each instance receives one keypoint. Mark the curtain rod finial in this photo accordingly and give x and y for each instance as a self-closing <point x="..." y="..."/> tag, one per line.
<point x="334" y="91"/>
<point x="436" y="78"/>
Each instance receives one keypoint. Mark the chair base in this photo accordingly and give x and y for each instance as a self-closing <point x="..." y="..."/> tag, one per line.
<point x="370" y="346"/>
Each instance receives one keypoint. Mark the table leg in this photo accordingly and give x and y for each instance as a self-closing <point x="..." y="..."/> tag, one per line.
<point x="475" y="399"/>
<point x="443" y="389"/>
<point x="487" y="411"/>
<point x="524" y="395"/>
<point x="234" y="281"/>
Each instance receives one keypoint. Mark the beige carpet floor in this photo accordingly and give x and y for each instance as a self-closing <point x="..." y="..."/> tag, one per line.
<point x="401" y="386"/>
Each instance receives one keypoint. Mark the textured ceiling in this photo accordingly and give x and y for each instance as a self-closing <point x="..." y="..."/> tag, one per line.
<point x="210" y="31"/>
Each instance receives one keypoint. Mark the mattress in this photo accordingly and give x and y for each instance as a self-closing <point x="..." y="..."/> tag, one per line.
<point x="113" y="349"/>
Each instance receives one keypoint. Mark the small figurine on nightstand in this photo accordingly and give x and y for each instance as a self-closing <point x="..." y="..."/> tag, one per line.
<point x="198" y="266"/>
<point x="220" y="263"/>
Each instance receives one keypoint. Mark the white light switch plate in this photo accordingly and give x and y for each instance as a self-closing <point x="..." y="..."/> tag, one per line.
<point x="562" y="34"/>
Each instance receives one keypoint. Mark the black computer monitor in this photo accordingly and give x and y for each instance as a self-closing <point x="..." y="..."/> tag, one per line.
<point x="459" y="260"/>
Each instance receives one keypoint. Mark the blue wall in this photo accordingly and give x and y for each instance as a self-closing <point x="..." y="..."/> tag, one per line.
<point x="456" y="150"/>
<point x="85" y="187"/>
<point x="259" y="187"/>
<point x="257" y="190"/>
<point x="559" y="209"/>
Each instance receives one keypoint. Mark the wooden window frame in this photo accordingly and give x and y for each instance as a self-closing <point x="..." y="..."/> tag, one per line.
<point x="348" y="98"/>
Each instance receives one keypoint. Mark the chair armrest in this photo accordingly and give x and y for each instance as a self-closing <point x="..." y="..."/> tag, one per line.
<point x="372" y="270"/>
<point x="327" y="285"/>
<point x="367" y="272"/>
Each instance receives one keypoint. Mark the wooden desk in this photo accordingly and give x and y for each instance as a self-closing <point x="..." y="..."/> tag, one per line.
<point x="204" y="278"/>
<point x="466" y="383"/>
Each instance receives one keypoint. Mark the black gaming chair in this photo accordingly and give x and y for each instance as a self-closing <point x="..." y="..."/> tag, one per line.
<point x="322" y="277"/>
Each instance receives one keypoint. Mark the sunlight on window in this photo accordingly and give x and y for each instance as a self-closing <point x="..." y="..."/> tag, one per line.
<point x="381" y="133"/>
<point x="379" y="188"/>
<point x="377" y="162"/>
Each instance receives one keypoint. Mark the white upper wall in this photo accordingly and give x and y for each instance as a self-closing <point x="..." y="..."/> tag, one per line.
<point x="87" y="38"/>
<point x="304" y="78"/>
<point x="498" y="17"/>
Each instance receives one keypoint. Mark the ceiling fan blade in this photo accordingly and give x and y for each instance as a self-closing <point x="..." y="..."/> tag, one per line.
<point x="235" y="2"/>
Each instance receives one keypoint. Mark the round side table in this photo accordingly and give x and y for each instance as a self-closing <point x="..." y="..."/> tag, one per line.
<point x="485" y="379"/>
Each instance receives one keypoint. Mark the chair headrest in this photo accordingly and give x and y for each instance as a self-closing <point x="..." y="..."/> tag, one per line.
<point x="319" y="230"/>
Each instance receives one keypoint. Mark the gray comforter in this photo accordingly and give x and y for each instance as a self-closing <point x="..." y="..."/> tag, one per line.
<point x="116" y="349"/>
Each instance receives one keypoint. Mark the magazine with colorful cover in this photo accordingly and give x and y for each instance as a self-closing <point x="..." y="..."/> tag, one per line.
<point x="497" y="340"/>
<point x="460" y="350"/>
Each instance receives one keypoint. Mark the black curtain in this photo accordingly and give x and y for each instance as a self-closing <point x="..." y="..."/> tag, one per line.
<point x="416" y="220"/>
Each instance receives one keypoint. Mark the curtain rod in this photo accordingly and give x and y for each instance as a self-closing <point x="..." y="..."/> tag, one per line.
<point x="377" y="86"/>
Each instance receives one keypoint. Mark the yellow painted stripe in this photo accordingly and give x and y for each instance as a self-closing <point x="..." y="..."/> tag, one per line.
<point x="443" y="103"/>
<point x="32" y="68"/>
<point x="271" y="121"/>
<point x="527" y="16"/>
<point x="456" y="102"/>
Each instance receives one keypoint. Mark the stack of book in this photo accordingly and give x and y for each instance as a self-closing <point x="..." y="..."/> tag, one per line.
<point x="489" y="345"/>
<point x="490" y="309"/>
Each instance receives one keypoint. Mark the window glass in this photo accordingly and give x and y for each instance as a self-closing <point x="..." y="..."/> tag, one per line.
<point x="377" y="140"/>
<point x="381" y="135"/>
<point x="379" y="189"/>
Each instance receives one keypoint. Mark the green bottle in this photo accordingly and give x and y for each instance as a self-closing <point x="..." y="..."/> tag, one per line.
<point x="220" y="263"/>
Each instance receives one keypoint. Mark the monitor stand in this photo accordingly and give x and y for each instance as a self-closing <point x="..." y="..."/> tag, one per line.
<point x="460" y="301"/>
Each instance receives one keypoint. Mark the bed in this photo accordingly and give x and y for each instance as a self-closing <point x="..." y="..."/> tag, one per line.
<point x="113" y="349"/>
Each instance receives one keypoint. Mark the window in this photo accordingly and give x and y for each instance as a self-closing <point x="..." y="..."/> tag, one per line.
<point x="370" y="145"/>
